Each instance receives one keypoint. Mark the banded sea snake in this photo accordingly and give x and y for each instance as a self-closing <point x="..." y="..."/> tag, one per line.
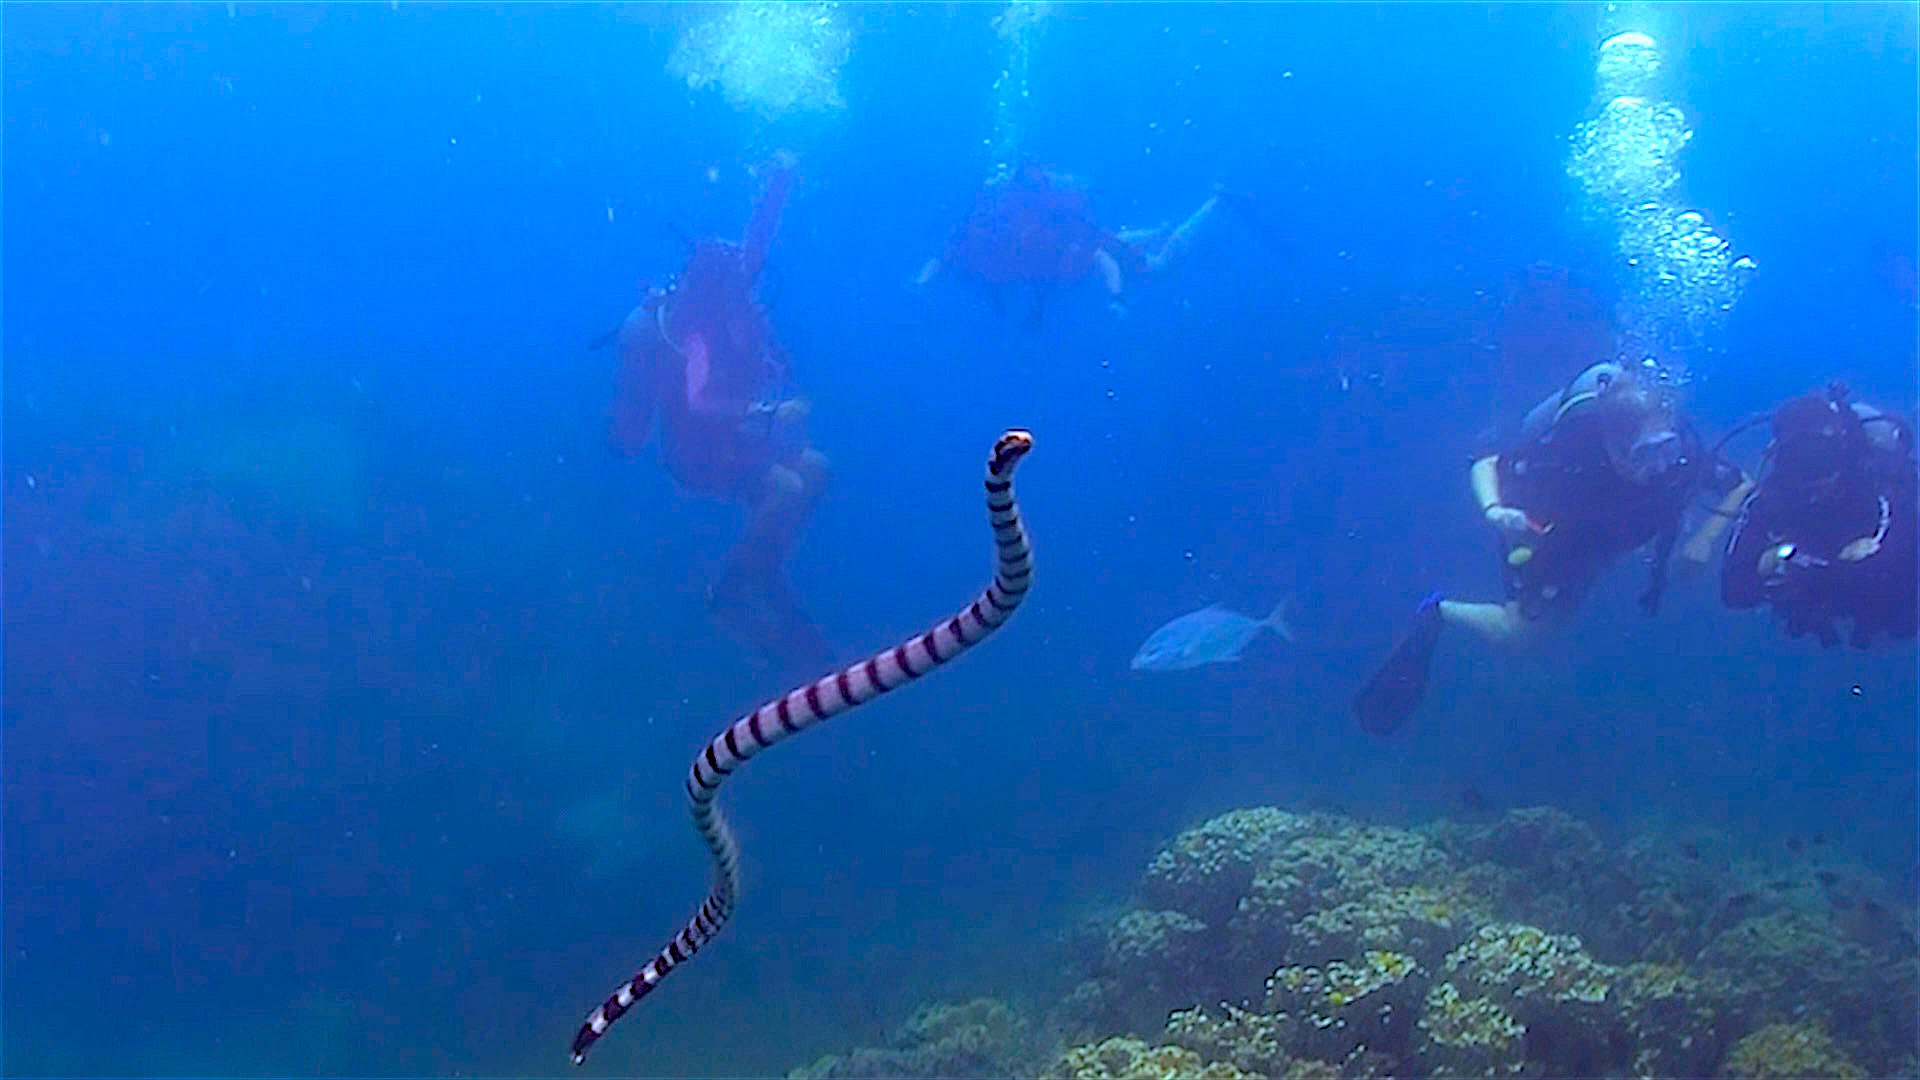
<point x="799" y="709"/>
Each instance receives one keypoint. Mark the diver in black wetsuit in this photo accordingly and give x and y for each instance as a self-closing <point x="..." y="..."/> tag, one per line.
<point x="1828" y="531"/>
<point x="1601" y="468"/>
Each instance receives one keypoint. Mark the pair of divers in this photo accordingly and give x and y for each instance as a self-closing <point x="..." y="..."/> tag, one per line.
<point x="699" y="363"/>
<point x="1823" y="534"/>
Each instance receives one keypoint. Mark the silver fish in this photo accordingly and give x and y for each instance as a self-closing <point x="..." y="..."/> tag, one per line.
<point x="1212" y="635"/>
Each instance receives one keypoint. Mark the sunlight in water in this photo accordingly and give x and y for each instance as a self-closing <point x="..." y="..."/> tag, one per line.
<point x="773" y="58"/>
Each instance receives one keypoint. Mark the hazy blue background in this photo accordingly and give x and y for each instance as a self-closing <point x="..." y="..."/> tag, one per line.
<point x="350" y="679"/>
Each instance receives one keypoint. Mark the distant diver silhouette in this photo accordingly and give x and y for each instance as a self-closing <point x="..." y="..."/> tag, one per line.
<point x="806" y="706"/>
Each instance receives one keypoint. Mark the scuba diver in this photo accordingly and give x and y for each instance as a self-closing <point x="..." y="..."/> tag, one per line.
<point x="700" y="355"/>
<point x="1828" y="530"/>
<point x="1601" y="468"/>
<point x="1032" y="229"/>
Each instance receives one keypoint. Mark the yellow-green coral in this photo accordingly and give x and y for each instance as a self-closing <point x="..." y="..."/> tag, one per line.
<point x="1462" y="1036"/>
<point x="1338" y="984"/>
<point x="1452" y="1020"/>
<point x="1784" y="1051"/>
<point x="1131" y="1059"/>
<point x="1344" y="1007"/>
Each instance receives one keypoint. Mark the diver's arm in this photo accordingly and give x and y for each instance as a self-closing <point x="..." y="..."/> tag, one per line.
<point x="1511" y="521"/>
<point x="1700" y="545"/>
<point x="766" y="217"/>
<point x="1485" y="477"/>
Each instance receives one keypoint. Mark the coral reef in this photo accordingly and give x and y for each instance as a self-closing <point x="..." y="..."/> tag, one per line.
<point x="1131" y="1059"/>
<point x="1423" y="921"/>
<point x="980" y="1038"/>
<point x="1323" y="870"/>
<point x="1559" y="996"/>
<point x="1786" y="1051"/>
<point x="1252" y="1041"/>
<point x="1544" y="867"/>
<point x="1786" y="966"/>
<point x="1273" y="944"/>
<point x="1162" y="945"/>
<point x="1344" y="1009"/>
<point x="1467" y="1036"/>
<point x="1530" y="965"/>
<point x="1674" y="1021"/>
<point x="1208" y="868"/>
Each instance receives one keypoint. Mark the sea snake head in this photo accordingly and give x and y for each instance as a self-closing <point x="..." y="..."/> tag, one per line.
<point x="1008" y="449"/>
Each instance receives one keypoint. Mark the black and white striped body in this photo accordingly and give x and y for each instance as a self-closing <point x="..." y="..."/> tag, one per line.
<point x="799" y="709"/>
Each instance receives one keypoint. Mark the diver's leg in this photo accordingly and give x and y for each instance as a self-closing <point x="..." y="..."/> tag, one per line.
<point x="1173" y="245"/>
<point x="814" y="471"/>
<point x="788" y="492"/>
<point x="777" y="516"/>
<point x="751" y="569"/>
<point x="752" y="596"/>
<point x="1501" y="624"/>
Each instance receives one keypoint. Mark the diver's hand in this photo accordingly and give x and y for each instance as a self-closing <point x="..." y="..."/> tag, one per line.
<point x="1511" y="523"/>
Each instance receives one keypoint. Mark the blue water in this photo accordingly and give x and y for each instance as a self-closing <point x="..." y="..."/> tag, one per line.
<point x="350" y="678"/>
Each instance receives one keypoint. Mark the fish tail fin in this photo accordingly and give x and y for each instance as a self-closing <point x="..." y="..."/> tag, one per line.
<point x="1277" y="621"/>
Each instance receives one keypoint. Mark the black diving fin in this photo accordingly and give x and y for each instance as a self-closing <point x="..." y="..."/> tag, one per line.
<point x="1386" y="703"/>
